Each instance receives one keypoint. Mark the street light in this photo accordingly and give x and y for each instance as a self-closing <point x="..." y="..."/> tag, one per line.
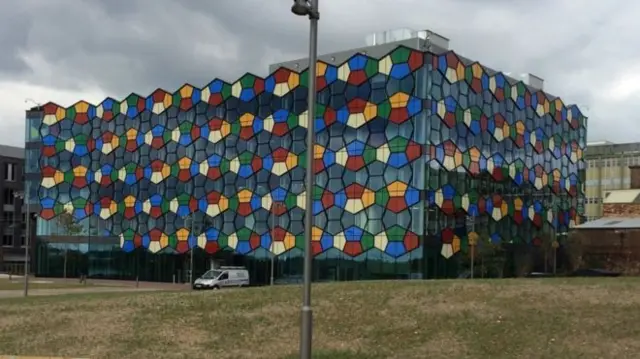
<point x="309" y="8"/>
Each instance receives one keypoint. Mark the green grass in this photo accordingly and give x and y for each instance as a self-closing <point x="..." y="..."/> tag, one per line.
<point x="501" y="319"/>
<point x="18" y="284"/>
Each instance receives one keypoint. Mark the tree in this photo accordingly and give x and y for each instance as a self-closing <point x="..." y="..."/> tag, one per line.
<point x="68" y="224"/>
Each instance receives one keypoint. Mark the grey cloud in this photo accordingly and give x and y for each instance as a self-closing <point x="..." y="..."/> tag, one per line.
<point x="124" y="46"/>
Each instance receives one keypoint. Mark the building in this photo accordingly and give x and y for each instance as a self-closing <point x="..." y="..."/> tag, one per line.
<point x="612" y="240"/>
<point x="12" y="225"/>
<point x="607" y="170"/>
<point x="417" y="147"/>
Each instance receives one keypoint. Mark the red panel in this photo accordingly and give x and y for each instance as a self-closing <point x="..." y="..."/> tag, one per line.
<point x="327" y="199"/>
<point x="396" y="204"/>
<point x="316" y="247"/>
<point x="186" y="103"/>
<point x="137" y="240"/>
<point x="211" y="247"/>
<point x="354" y="191"/>
<point x="254" y="241"/>
<point x="278" y="208"/>
<point x="411" y="241"/>
<point x="357" y="105"/>
<point x="244" y="209"/>
<point x="215" y="99"/>
<point x="81" y="118"/>
<point x="357" y="77"/>
<point x="281" y="75"/>
<point x="352" y="248"/>
<point x="416" y="60"/>
<point x="399" y="115"/>
<point x="182" y="247"/>
<point x="246" y="133"/>
<point x="214" y="173"/>
<point x="280" y="129"/>
<point x="447" y="236"/>
<point x="413" y="151"/>
<point x="355" y="163"/>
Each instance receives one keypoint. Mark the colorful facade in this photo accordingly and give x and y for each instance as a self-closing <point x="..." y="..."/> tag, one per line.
<point x="410" y="147"/>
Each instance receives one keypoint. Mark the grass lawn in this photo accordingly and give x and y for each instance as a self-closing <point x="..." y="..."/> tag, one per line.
<point x="18" y="284"/>
<point x="528" y="318"/>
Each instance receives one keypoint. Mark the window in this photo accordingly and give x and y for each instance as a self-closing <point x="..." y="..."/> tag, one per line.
<point x="32" y="160"/>
<point x="10" y="170"/>
<point x="224" y="276"/>
<point x="9" y="196"/>
<point x="32" y="132"/>
<point x="7" y="240"/>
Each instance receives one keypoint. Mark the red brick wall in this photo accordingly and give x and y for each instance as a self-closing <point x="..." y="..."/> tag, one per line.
<point x="621" y="210"/>
<point x="634" y="173"/>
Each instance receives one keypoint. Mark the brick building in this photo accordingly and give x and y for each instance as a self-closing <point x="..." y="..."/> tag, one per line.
<point x="613" y="241"/>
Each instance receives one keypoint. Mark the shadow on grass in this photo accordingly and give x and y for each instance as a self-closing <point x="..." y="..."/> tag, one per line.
<point x="335" y="354"/>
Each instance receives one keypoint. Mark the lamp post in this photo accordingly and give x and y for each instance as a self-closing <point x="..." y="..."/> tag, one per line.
<point x="309" y="8"/>
<point x="191" y="250"/>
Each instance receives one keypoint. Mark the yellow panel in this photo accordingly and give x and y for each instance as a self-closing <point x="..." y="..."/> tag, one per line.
<point x="456" y="244"/>
<point x="477" y="70"/>
<point x="166" y="171"/>
<point x="316" y="233"/>
<point x="168" y="100"/>
<point x="460" y="71"/>
<point x="186" y="91"/>
<point x="82" y="107"/>
<point x="294" y="78"/>
<point x="318" y="152"/>
<point x="399" y="99"/>
<point x="58" y="177"/>
<point x="368" y="198"/>
<point x="130" y="201"/>
<point x="291" y="161"/>
<point x="246" y="120"/>
<point x="370" y="111"/>
<point x="289" y="241"/>
<point x="397" y="188"/>
<point x="164" y="241"/>
<point x="60" y="113"/>
<point x="182" y="234"/>
<point x="244" y="196"/>
<point x="321" y="69"/>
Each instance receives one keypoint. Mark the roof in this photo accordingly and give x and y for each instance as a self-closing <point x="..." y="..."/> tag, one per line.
<point x="611" y="223"/>
<point x="622" y="196"/>
<point x="11" y="152"/>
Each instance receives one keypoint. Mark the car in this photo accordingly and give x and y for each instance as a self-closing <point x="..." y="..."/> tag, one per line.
<point x="223" y="277"/>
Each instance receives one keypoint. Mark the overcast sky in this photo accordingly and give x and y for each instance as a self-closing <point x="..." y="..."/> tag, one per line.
<point x="66" y="50"/>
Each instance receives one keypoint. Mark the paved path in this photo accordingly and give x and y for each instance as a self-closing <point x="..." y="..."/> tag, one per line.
<point x="59" y="291"/>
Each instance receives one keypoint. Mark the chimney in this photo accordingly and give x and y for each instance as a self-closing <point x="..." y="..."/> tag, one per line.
<point x="634" y="172"/>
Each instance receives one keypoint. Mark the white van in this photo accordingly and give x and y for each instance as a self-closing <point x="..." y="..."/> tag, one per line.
<point x="223" y="277"/>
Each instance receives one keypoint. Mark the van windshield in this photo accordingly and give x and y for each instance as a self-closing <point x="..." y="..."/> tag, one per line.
<point x="212" y="274"/>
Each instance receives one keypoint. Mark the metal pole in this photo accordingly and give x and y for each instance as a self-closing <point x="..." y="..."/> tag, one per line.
<point x="273" y="256"/>
<point x="191" y="259"/>
<point x="306" y="331"/>
<point x="137" y="268"/>
<point x="26" y="242"/>
<point x="473" y="246"/>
